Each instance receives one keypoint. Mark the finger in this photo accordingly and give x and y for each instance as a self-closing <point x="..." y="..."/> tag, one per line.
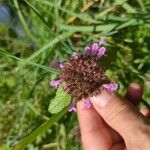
<point x="134" y="93"/>
<point x="94" y="133"/>
<point x="118" y="146"/>
<point x="120" y="115"/>
<point x="145" y="111"/>
<point x="115" y="135"/>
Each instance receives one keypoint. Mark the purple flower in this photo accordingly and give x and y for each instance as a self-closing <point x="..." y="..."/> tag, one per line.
<point x="102" y="41"/>
<point x="83" y="76"/>
<point x="101" y="52"/>
<point x="87" y="50"/>
<point x="94" y="48"/>
<point x="55" y="83"/>
<point x="88" y="103"/>
<point x="111" y="87"/>
<point x="57" y="64"/>
<point x="72" y="108"/>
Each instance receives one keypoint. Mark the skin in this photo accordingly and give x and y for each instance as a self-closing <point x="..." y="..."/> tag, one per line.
<point x="114" y="122"/>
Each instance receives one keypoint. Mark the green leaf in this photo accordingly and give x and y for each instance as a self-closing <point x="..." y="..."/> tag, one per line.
<point x="87" y="28"/>
<point x="60" y="101"/>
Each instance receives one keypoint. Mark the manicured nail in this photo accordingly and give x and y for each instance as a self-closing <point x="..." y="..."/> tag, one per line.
<point x="102" y="100"/>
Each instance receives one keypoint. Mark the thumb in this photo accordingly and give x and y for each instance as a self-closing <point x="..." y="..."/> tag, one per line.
<point x="120" y="114"/>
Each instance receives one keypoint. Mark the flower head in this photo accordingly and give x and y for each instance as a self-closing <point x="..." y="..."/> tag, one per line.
<point x="82" y="76"/>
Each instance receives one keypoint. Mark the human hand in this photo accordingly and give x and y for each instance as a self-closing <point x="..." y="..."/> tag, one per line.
<point x="113" y="123"/>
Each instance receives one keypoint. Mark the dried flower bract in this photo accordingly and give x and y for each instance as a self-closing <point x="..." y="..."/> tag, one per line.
<point x="82" y="77"/>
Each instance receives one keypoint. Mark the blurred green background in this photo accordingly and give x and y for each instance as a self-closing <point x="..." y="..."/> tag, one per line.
<point x="35" y="32"/>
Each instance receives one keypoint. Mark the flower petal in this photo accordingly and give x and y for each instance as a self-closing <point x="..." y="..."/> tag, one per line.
<point x="72" y="108"/>
<point x="111" y="87"/>
<point x="61" y="65"/>
<point x="94" y="48"/>
<point x="102" y="41"/>
<point x="88" y="103"/>
<point x="87" y="50"/>
<point x="101" y="52"/>
<point x="57" y="64"/>
<point x="55" y="83"/>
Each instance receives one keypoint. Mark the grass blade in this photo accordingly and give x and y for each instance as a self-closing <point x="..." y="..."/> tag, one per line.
<point x="51" y="44"/>
<point x="22" y="20"/>
<point x="142" y="5"/>
<point x="90" y="28"/>
<point x="38" y="13"/>
<point x="31" y="137"/>
<point x="28" y="62"/>
<point x="71" y="13"/>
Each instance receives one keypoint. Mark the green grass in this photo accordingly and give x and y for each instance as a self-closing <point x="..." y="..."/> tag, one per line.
<point x="52" y="30"/>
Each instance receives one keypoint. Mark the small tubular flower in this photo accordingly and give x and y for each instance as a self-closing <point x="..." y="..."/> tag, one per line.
<point x="94" y="48"/>
<point x="101" y="52"/>
<point x="102" y="41"/>
<point x="87" y="50"/>
<point x="111" y="87"/>
<point x="88" y="103"/>
<point x="55" y="83"/>
<point x="57" y="64"/>
<point x="72" y="108"/>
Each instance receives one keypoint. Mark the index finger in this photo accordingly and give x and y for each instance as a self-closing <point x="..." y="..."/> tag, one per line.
<point x="93" y="131"/>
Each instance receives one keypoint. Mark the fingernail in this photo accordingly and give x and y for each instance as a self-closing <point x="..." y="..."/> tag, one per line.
<point x="102" y="100"/>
